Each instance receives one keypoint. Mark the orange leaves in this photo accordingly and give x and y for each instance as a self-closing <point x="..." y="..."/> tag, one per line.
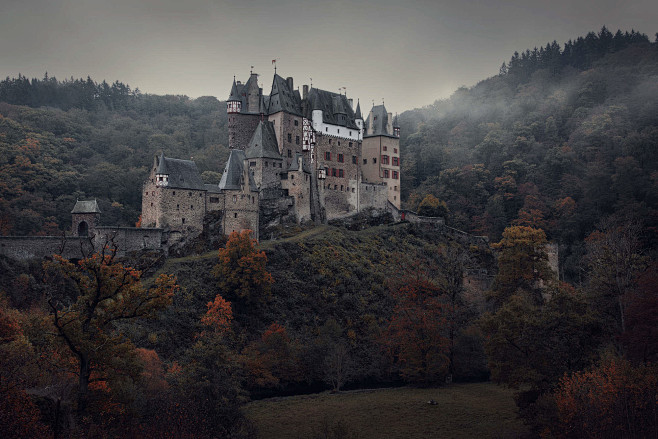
<point x="219" y="315"/>
<point x="613" y="398"/>
<point x="241" y="268"/>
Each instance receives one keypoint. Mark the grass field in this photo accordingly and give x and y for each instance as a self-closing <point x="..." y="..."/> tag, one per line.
<point x="480" y="410"/>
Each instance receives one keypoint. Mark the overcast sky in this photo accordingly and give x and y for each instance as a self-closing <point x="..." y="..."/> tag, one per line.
<point x="408" y="52"/>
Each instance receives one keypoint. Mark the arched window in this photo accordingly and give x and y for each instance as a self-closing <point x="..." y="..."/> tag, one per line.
<point x="83" y="228"/>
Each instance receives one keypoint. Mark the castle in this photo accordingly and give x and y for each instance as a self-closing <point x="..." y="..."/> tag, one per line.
<point x="294" y="158"/>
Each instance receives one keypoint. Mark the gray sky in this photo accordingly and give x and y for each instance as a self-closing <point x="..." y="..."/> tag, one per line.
<point x="408" y="52"/>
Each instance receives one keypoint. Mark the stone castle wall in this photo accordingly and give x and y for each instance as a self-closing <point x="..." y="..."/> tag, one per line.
<point x="288" y="135"/>
<point x="240" y="211"/>
<point x="176" y="208"/>
<point x="337" y="193"/>
<point x="240" y="129"/>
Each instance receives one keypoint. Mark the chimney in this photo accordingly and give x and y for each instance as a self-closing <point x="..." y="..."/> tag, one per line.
<point x="289" y="81"/>
<point x="304" y="91"/>
<point x="351" y="101"/>
<point x="389" y="125"/>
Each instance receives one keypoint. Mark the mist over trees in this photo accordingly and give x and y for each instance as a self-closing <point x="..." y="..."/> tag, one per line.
<point x="561" y="139"/>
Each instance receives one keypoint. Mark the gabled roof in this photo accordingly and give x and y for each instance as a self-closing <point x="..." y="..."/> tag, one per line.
<point x="90" y="206"/>
<point x="336" y="110"/>
<point x="183" y="174"/>
<point x="234" y="172"/>
<point x="379" y="122"/>
<point x="263" y="143"/>
<point x="282" y="98"/>
<point x="294" y="166"/>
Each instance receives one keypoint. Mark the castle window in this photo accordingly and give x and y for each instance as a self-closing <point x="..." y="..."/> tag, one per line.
<point x="350" y="142"/>
<point x="340" y="172"/>
<point x="395" y="188"/>
<point x="384" y="148"/>
<point x="385" y="173"/>
<point x="384" y="160"/>
<point x="183" y="220"/>
<point x="191" y="207"/>
<point x="296" y="122"/>
<point x="173" y="193"/>
<point x="335" y="187"/>
<point x="338" y="130"/>
<point x="297" y="139"/>
<point x="374" y="159"/>
<point x="350" y="135"/>
<point x="252" y="164"/>
<point x="151" y="204"/>
<point x="178" y="207"/>
<point x="292" y="176"/>
<point x="365" y="161"/>
<point x="395" y="150"/>
<point x="333" y="172"/>
<point x="339" y="143"/>
<point x="326" y="129"/>
<point x="235" y="198"/>
<point x="354" y="159"/>
<point x="200" y="194"/>
<point x="329" y="141"/>
<point x="289" y="137"/>
<point x="341" y="188"/>
<point x="327" y="155"/>
<point x="189" y="194"/>
<point x="253" y="200"/>
<point x="395" y="176"/>
<point x="289" y="153"/>
<point x="340" y="158"/>
<point x="214" y="199"/>
<point x="235" y="215"/>
<point x="352" y="190"/>
<point x="396" y="161"/>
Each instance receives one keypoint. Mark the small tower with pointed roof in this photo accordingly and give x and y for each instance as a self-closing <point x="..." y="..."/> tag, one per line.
<point x="240" y="194"/>
<point x="245" y="108"/>
<point x="396" y="126"/>
<point x="262" y="156"/>
<point x="84" y="218"/>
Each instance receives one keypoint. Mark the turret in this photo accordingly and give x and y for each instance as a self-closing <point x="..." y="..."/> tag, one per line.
<point x="358" y="118"/>
<point x="161" y="172"/>
<point x="84" y="217"/>
<point x="396" y="127"/>
<point x="234" y="103"/>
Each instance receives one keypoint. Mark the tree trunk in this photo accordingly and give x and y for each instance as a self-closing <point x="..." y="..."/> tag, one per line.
<point x="83" y="384"/>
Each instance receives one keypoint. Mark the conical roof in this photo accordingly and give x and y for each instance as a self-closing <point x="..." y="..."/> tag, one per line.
<point x="263" y="143"/>
<point x="357" y="115"/>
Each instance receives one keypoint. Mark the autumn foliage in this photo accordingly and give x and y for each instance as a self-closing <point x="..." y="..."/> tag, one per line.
<point x="614" y="399"/>
<point x="416" y="334"/>
<point x="241" y="269"/>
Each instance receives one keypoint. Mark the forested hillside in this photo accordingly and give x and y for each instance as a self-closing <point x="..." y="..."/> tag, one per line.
<point x="562" y="138"/>
<point x="87" y="140"/>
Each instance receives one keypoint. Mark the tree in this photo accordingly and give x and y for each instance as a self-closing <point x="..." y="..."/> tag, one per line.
<point x="415" y="336"/>
<point x="615" y="261"/>
<point x="431" y="206"/>
<point x="522" y="264"/>
<point x="241" y="269"/>
<point x="87" y="302"/>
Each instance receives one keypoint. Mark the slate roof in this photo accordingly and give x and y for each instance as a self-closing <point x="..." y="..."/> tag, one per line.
<point x="282" y="98"/>
<point x="233" y="172"/>
<point x="212" y="188"/>
<point x="357" y="113"/>
<point x="294" y="166"/>
<point x="336" y="110"/>
<point x="239" y="92"/>
<point x="183" y="174"/>
<point x="379" y="122"/>
<point x="396" y="123"/>
<point x="263" y="143"/>
<point x="90" y="206"/>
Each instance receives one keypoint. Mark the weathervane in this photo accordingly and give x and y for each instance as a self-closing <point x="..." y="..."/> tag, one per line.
<point x="274" y="62"/>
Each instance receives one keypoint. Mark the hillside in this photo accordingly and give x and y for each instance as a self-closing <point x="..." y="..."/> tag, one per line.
<point x="563" y="138"/>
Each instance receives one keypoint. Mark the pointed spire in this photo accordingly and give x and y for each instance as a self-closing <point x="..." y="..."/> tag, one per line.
<point x="234" y="96"/>
<point x="357" y="115"/>
<point x="162" y="167"/>
<point x="396" y="124"/>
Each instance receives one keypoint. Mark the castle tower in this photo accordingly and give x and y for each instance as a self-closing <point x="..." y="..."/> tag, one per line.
<point x="358" y="118"/>
<point x="245" y="107"/>
<point x="84" y="218"/>
<point x="381" y="152"/>
<point x="263" y="158"/>
<point x="396" y="126"/>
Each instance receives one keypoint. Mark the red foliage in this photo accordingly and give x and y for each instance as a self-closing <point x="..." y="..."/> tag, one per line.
<point x="611" y="400"/>
<point x="20" y="418"/>
<point x="219" y="315"/>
